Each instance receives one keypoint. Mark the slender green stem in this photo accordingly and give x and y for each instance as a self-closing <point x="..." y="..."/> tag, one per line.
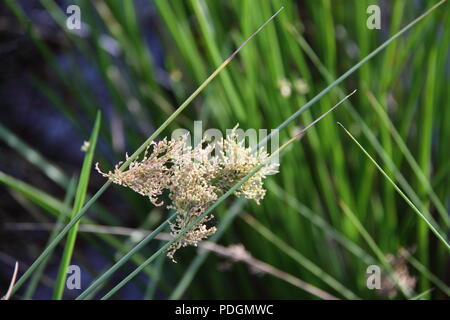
<point x="125" y="258"/>
<point x="79" y="201"/>
<point x="409" y="202"/>
<point x="425" y="148"/>
<point x="65" y="212"/>
<point x="410" y="158"/>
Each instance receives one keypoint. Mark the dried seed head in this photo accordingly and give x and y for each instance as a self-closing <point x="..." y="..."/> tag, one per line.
<point x="149" y="176"/>
<point x="194" y="179"/>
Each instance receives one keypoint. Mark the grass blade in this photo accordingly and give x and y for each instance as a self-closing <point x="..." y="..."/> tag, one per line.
<point x="417" y="211"/>
<point x="79" y="201"/>
<point x="409" y="158"/>
<point x="62" y="215"/>
<point x="299" y="258"/>
<point x="423" y="295"/>
<point x="124" y="259"/>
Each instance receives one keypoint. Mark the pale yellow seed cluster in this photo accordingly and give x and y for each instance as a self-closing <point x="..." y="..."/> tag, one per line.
<point x="194" y="179"/>
<point x="149" y="176"/>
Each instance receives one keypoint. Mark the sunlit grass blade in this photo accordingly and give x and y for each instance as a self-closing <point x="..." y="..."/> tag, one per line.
<point x="125" y="258"/>
<point x="417" y="211"/>
<point x="80" y="197"/>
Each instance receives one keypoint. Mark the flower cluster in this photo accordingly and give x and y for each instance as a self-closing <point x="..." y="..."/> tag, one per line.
<point x="194" y="178"/>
